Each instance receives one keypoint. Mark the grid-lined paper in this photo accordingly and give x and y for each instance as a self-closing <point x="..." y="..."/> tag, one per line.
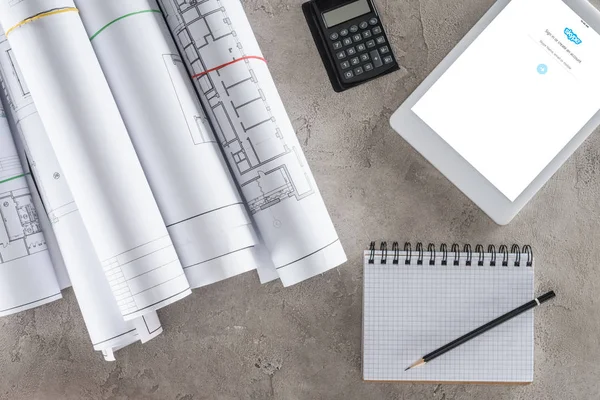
<point x="411" y="310"/>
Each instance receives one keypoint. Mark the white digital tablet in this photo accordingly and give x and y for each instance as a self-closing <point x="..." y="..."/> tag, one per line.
<point x="511" y="103"/>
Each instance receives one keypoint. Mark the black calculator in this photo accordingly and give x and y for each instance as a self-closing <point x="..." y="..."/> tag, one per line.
<point x="351" y="41"/>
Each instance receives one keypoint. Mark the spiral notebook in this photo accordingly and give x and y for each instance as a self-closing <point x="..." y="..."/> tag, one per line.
<point x="417" y="300"/>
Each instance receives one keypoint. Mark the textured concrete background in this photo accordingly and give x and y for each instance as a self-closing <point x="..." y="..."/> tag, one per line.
<point x="241" y="340"/>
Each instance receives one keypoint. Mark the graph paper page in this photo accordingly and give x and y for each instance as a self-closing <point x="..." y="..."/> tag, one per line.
<point x="411" y="310"/>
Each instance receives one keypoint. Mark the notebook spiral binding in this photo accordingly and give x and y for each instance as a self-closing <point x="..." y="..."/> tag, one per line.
<point x="455" y="257"/>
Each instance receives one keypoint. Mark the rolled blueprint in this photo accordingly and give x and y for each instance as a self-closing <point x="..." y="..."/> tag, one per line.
<point x="251" y="124"/>
<point x="27" y="277"/>
<point x="191" y="182"/>
<point x="106" y="327"/>
<point x="95" y="153"/>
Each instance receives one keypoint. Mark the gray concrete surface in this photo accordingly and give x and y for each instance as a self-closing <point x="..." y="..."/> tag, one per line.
<point x="241" y="340"/>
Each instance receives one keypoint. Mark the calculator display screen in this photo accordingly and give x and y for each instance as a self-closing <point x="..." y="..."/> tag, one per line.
<point x="346" y="13"/>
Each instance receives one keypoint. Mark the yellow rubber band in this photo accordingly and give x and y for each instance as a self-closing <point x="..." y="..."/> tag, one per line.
<point x="40" y="16"/>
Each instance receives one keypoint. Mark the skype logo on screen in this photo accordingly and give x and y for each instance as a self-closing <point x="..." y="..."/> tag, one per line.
<point x="572" y="36"/>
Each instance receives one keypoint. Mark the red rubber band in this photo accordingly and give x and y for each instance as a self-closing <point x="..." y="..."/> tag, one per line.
<point x="227" y="64"/>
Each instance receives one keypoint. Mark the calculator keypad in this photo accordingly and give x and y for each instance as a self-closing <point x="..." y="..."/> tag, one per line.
<point x="361" y="48"/>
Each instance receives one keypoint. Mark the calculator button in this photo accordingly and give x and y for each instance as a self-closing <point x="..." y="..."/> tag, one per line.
<point x="351" y="51"/>
<point x="364" y="25"/>
<point x="371" y="44"/>
<point x="364" y="57"/>
<point x="388" y="59"/>
<point x="380" y="40"/>
<point x="376" y="59"/>
<point x="334" y="36"/>
<point x="367" y="34"/>
<point x="354" y="29"/>
<point x="361" y="47"/>
<point x="368" y="67"/>
<point x="357" y="37"/>
<point x="344" y="32"/>
<point x="348" y="74"/>
<point x="377" y="30"/>
<point x="358" y="71"/>
<point x="337" y="45"/>
<point x="384" y="50"/>
<point x="373" y="21"/>
<point x="355" y="61"/>
<point x="345" y="65"/>
<point x="341" y="55"/>
<point x="347" y="42"/>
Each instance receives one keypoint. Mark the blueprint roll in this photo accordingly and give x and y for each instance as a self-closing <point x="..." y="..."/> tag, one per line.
<point x="95" y="153"/>
<point x="256" y="135"/>
<point x="198" y="199"/>
<point x="27" y="276"/>
<point x="503" y="257"/>
<point x="107" y="329"/>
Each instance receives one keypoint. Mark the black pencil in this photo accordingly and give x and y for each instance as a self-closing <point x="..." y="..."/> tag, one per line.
<point x="490" y="325"/>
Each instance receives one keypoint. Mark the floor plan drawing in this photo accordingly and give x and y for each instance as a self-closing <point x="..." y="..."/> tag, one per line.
<point x="231" y="76"/>
<point x="20" y="232"/>
<point x="268" y="169"/>
<point x="23" y="111"/>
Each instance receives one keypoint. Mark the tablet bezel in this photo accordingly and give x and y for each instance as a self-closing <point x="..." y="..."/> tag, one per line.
<point x="453" y="166"/>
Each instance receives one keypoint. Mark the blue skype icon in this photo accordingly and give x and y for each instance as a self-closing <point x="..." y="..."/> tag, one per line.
<point x="572" y="36"/>
<point x="542" y="69"/>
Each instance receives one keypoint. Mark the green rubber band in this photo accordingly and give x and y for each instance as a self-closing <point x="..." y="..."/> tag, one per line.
<point x="15" y="177"/>
<point x="120" y="18"/>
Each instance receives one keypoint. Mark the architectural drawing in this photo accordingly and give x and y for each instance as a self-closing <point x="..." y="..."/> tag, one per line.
<point x="20" y="232"/>
<point x="116" y="204"/>
<point x="107" y="329"/>
<point x="252" y="127"/>
<point x="24" y="112"/>
<point x="266" y="166"/>
<point x="27" y="275"/>
<point x="173" y="140"/>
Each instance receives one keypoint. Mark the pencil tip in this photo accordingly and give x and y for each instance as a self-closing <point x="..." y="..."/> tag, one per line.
<point x="416" y="364"/>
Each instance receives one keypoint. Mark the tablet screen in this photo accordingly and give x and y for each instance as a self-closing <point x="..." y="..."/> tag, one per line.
<point x="516" y="97"/>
